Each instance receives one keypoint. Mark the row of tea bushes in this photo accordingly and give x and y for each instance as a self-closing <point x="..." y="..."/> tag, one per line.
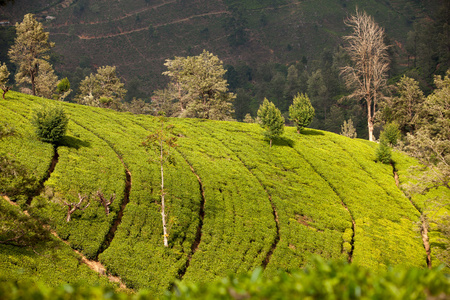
<point x="30" y="157"/>
<point x="384" y="218"/>
<point x="238" y="226"/>
<point x="311" y="216"/>
<point x="137" y="253"/>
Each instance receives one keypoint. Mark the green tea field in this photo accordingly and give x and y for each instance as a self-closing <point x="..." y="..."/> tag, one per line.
<point x="233" y="204"/>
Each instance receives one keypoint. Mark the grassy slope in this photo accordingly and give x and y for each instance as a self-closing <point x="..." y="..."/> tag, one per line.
<point x="317" y="182"/>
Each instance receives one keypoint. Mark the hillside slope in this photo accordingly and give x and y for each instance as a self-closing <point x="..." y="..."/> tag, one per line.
<point x="233" y="203"/>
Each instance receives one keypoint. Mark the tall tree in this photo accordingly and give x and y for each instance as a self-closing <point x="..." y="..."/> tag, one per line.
<point x="200" y="86"/>
<point x="29" y="50"/>
<point x="271" y="120"/>
<point x="103" y="89"/>
<point x="367" y="75"/>
<point x="163" y="141"/>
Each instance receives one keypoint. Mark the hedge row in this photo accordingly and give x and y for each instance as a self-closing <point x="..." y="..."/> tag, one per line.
<point x="23" y="149"/>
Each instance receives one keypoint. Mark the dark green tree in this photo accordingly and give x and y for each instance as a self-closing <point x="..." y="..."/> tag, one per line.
<point x="271" y="120"/>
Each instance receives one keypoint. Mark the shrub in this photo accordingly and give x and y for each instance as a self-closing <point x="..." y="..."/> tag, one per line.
<point x="50" y="124"/>
<point x="383" y="152"/>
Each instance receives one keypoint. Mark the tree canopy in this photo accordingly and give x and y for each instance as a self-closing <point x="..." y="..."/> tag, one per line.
<point x="271" y="120"/>
<point x="301" y="112"/>
<point x="367" y="76"/>
<point x="103" y="89"/>
<point x="199" y="87"/>
<point x="30" y="50"/>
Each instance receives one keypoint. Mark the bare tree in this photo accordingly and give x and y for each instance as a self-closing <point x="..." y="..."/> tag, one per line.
<point x="72" y="207"/>
<point x="367" y="76"/>
<point x="104" y="202"/>
<point x="162" y="141"/>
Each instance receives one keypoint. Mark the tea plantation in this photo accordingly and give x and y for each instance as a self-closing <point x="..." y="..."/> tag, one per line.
<point x="234" y="204"/>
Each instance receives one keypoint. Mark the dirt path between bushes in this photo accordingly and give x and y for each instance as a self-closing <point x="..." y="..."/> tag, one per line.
<point x="93" y="265"/>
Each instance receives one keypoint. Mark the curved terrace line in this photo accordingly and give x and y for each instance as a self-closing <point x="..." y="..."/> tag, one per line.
<point x="266" y="260"/>
<point x="352" y="242"/>
<point x="423" y="225"/>
<point x="198" y="235"/>
<point x="195" y="245"/>
<point x="126" y="199"/>
<point x="47" y="175"/>
<point x="423" y="229"/>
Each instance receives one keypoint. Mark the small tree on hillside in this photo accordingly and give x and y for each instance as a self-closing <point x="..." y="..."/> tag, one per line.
<point x="301" y="112"/>
<point x="348" y="130"/>
<point x="4" y="78"/>
<point x="162" y="141"/>
<point x="29" y="50"/>
<point x="50" y="124"/>
<point x="271" y="120"/>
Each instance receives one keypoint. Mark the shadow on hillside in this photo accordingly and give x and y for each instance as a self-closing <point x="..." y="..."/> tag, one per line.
<point x="306" y="131"/>
<point x="283" y="141"/>
<point x="73" y="142"/>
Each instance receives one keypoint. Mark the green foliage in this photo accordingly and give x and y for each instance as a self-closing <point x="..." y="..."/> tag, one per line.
<point x="30" y="50"/>
<point x="301" y="111"/>
<point x="348" y="130"/>
<point x="50" y="123"/>
<point x="390" y="134"/>
<point x="30" y="253"/>
<point x="332" y="280"/>
<point x="103" y="89"/>
<point x="383" y="152"/>
<point x="199" y="86"/>
<point x="4" y="75"/>
<point x="323" y="280"/>
<point x="62" y="89"/>
<point x="404" y="108"/>
<point x="271" y="120"/>
<point x="295" y="199"/>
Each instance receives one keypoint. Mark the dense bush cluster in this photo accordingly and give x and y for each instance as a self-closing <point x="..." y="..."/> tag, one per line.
<point x="322" y="281"/>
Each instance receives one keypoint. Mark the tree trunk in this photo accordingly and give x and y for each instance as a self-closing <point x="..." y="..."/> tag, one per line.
<point x="163" y="213"/>
<point x="370" y="120"/>
<point x="33" y="86"/>
<point x="5" y="90"/>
